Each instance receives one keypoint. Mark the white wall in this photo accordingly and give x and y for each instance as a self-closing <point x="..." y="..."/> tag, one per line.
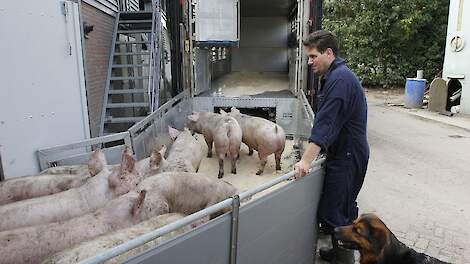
<point x="263" y="45"/>
<point x="458" y="63"/>
<point x="42" y="92"/>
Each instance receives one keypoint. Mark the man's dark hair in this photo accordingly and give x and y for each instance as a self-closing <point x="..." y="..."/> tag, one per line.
<point x="321" y="40"/>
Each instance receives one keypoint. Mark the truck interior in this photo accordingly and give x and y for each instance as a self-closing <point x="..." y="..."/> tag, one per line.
<point x="262" y="63"/>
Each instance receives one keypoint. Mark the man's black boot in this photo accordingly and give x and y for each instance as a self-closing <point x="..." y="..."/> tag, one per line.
<point x="336" y="254"/>
<point x="344" y="256"/>
<point x="327" y="253"/>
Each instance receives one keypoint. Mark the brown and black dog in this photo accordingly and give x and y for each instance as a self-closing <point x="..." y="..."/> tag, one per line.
<point x="377" y="244"/>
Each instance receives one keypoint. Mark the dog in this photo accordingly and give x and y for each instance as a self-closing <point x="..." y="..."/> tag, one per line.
<point x="377" y="244"/>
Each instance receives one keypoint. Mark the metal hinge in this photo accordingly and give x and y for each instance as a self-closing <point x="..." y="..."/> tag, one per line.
<point x="65" y="10"/>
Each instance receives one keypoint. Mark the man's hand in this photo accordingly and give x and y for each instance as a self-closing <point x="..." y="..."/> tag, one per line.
<point x="301" y="169"/>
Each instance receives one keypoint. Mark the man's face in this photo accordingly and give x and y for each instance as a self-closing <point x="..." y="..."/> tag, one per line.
<point x="320" y="61"/>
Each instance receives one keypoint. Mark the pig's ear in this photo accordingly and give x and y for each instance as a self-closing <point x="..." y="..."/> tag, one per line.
<point x="114" y="179"/>
<point x="162" y="151"/>
<point x="234" y="110"/>
<point x="194" y="117"/>
<point x="128" y="161"/>
<point x="222" y="112"/>
<point x="97" y="162"/>
<point x="137" y="207"/>
<point x="157" y="158"/>
<point x="128" y="151"/>
<point x="173" y="132"/>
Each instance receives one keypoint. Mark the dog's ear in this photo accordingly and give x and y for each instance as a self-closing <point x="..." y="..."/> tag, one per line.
<point x="379" y="236"/>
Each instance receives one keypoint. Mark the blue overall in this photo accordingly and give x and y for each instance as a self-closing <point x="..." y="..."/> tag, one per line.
<point x="339" y="128"/>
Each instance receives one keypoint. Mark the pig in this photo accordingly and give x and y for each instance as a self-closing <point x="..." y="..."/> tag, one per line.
<point x="224" y="131"/>
<point x="204" y="123"/>
<point x="184" y="192"/>
<point x="33" y="244"/>
<point x="227" y="141"/>
<point x="262" y="135"/>
<point x="91" y="248"/>
<point x="98" y="190"/>
<point x="185" y="154"/>
<point x="36" y="186"/>
<point x="50" y="181"/>
<point x="168" y="192"/>
<point x="66" y="169"/>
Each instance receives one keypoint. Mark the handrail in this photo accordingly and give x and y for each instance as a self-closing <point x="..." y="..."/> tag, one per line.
<point x="305" y="102"/>
<point x="152" y="58"/>
<point x="158" y="60"/>
<point x="140" y="240"/>
<point x="142" y="123"/>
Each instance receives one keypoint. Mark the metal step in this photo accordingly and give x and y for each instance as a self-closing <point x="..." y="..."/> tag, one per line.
<point x="131" y="53"/>
<point x="133" y="42"/>
<point x="135" y="31"/>
<point x="135" y="15"/>
<point x="126" y="105"/>
<point x="129" y="65"/>
<point x="127" y="91"/>
<point x="135" y="21"/>
<point x="114" y="120"/>
<point x="135" y="26"/>
<point x="124" y="78"/>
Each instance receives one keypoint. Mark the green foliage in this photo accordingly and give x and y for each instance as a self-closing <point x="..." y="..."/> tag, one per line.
<point x="386" y="41"/>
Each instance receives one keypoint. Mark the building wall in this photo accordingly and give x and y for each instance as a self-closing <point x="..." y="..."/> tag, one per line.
<point x="97" y="50"/>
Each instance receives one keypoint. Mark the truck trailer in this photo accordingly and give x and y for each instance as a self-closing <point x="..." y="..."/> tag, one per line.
<point x="246" y="54"/>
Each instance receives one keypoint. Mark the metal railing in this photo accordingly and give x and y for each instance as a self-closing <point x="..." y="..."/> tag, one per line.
<point x="137" y="127"/>
<point x="52" y="156"/>
<point x="155" y="56"/>
<point x="307" y="108"/>
<point x="128" y="5"/>
<point x="141" y="240"/>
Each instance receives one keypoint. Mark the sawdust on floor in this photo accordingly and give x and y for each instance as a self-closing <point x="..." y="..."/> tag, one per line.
<point x="247" y="166"/>
<point x="237" y="84"/>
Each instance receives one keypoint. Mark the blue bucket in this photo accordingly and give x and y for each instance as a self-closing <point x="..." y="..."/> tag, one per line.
<point x="414" y="92"/>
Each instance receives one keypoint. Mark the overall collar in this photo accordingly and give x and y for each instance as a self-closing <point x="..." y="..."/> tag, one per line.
<point x="335" y="64"/>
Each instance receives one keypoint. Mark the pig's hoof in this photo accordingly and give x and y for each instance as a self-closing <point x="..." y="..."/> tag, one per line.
<point x="220" y="175"/>
<point x="209" y="155"/>
<point x="259" y="172"/>
<point x="234" y="171"/>
<point x="278" y="168"/>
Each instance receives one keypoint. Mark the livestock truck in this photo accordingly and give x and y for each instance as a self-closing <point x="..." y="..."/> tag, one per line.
<point x="232" y="53"/>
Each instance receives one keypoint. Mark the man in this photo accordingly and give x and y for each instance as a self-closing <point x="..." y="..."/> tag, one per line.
<point x="339" y="129"/>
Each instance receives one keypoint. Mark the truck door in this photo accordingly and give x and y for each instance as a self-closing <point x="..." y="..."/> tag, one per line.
<point x="213" y="23"/>
<point x="301" y="60"/>
<point x="43" y="101"/>
<point x="217" y="21"/>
